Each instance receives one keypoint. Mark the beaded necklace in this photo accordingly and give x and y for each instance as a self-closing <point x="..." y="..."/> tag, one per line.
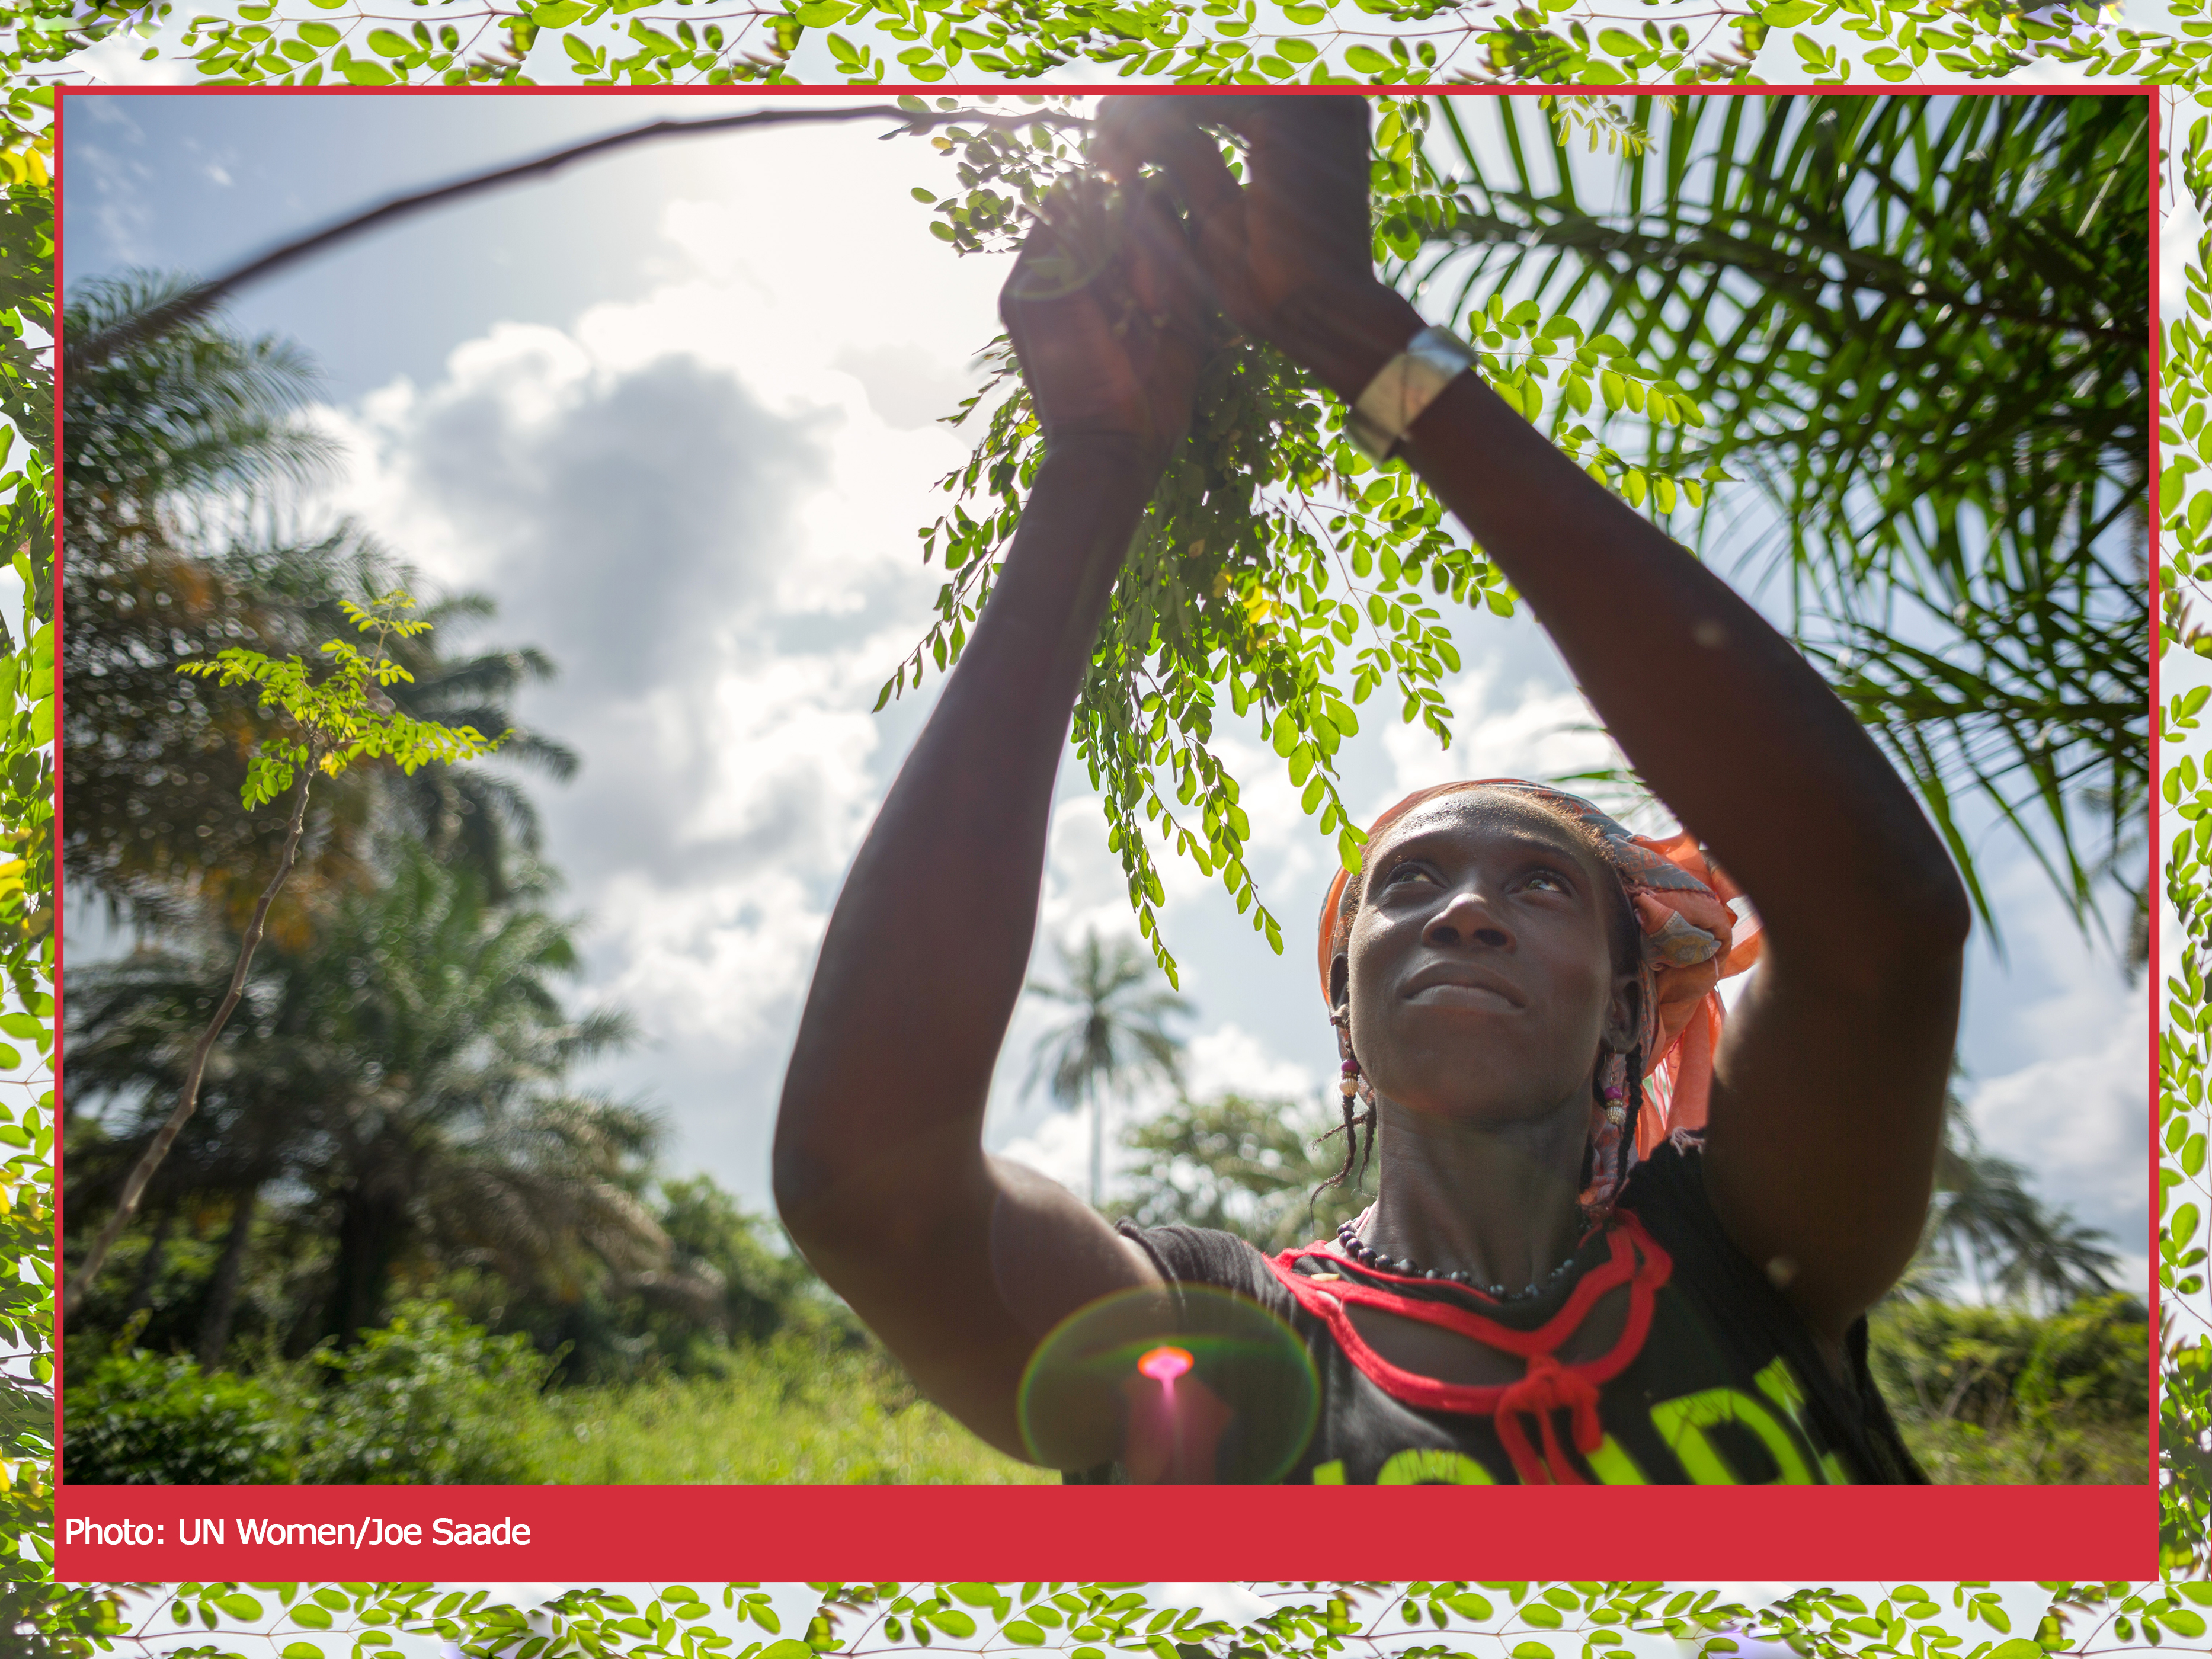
<point x="1367" y="1256"/>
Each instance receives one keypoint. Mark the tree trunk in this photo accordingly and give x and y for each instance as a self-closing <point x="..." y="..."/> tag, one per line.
<point x="150" y="1269"/>
<point x="188" y="1099"/>
<point x="222" y="1291"/>
<point x="372" y="1226"/>
<point x="1097" y="1144"/>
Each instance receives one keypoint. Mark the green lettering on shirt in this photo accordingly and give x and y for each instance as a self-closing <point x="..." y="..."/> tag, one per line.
<point x="1779" y="1383"/>
<point x="1427" y="1466"/>
<point x="1330" y="1474"/>
<point x="1682" y="1424"/>
<point x="1613" y="1467"/>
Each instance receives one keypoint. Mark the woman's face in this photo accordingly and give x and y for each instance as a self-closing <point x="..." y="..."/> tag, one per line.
<point x="1481" y="971"/>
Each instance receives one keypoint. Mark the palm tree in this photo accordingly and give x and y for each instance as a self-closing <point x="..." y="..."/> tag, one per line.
<point x="1115" y="1036"/>
<point x="404" y="1078"/>
<point x="458" y="1139"/>
<point x="472" y="813"/>
<point x="180" y="456"/>
<point x="1917" y="327"/>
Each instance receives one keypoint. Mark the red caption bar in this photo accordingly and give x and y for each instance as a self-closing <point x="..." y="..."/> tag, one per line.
<point x="583" y="1533"/>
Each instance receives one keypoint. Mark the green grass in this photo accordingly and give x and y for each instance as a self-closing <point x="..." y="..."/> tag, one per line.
<point x="783" y="1413"/>
<point x="1967" y="1454"/>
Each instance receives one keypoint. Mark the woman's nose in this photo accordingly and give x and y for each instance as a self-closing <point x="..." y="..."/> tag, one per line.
<point x="1467" y="918"/>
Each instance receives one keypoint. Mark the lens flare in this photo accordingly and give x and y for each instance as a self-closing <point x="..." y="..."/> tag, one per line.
<point x="1165" y="1363"/>
<point x="1181" y="1384"/>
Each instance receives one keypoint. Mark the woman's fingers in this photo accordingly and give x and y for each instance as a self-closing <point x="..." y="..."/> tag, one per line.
<point x="1170" y="280"/>
<point x="1161" y="130"/>
<point x="1282" y="249"/>
<point x="1105" y="308"/>
<point x="1133" y="130"/>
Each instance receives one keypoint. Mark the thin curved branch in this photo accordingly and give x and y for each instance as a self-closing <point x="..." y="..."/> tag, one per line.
<point x="198" y="301"/>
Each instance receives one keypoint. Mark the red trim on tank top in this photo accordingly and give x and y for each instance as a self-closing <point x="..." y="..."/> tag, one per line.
<point x="1634" y="1259"/>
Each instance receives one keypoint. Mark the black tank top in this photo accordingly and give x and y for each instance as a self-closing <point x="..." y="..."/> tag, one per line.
<point x="1713" y="1378"/>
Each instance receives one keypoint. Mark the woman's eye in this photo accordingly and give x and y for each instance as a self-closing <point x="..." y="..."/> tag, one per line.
<point x="1405" y="871"/>
<point x="1549" y="879"/>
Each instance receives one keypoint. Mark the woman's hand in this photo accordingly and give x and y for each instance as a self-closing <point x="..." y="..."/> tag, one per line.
<point x="1288" y="254"/>
<point x="1103" y="309"/>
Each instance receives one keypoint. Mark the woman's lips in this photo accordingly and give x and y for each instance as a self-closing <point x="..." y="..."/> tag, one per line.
<point x="1465" y="996"/>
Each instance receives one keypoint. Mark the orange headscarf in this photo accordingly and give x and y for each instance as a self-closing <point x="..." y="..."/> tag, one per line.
<point x="1692" y="941"/>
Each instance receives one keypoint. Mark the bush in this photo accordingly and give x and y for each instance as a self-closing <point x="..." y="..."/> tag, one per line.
<point x="1985" y="1364"/>
<point x="140" y="1420"/>
<point x="728" y="1283"/>
<point x="1996" y="1395"/>
<point x="427" y="1400"/>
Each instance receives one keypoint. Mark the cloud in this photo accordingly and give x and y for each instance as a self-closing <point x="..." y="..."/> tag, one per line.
<point x="1517" y="714"/>
<point x="705" y="545"/>
<point x="623" y="512"/>
<point x="907" y="386"/>
<point x="2059" y="1064"/>
<point x="2079" y="1122"/>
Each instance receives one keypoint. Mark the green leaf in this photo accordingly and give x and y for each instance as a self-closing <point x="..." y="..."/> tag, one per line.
<point x="318" y="34"/>
<point x="362" y="73"/>
<point x="1787" y="14"/>
<point x="953" y="1622"/>
<point x="1368" y="61"/>
<point x="238" y="1605"/>
<point x="560" y="14"/>
<point x="302" y="1651"/>
<point x="1024" y="1632"/>
<point x="386" y="43"/>
<point x="313" y="1616"/>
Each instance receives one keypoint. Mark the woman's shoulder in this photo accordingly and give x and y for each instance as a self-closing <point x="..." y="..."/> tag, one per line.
<point x="1200" y="1256"/>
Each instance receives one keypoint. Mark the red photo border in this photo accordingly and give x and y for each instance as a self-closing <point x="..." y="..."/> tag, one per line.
<point x="598" y="1533"/>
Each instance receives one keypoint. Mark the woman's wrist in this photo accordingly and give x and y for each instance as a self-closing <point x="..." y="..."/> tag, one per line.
<point x="1118" y="466"/>
<point x="1091" y="490"/>
<point x="1345" y="337"/>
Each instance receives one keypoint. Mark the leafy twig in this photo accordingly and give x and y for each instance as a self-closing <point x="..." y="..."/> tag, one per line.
<point x="342" y="718"/>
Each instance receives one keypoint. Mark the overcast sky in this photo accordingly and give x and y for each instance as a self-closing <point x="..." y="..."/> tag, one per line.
<point x="675" y="410"/>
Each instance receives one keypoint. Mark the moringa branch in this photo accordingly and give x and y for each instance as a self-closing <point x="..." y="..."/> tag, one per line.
<point x="197" y="301"/>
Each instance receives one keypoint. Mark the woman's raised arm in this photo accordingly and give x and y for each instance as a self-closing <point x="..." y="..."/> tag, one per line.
<point x="961" y="1261"/>
<point x="1826" y="1104"/>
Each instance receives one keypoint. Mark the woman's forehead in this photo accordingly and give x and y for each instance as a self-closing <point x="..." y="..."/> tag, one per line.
<point x="1482" y="818"/>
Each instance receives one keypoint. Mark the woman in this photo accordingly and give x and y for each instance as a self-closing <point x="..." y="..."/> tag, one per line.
<point x="1509" y="1308"/>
